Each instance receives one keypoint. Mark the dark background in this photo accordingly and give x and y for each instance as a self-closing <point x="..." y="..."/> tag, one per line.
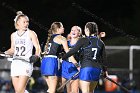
<point x="120" y="19"/>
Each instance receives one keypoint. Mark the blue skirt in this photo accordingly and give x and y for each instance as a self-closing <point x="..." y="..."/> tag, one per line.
<point x="49" y="66"/>
<point x="68" y="70"/>
<point x="89" y="74"/>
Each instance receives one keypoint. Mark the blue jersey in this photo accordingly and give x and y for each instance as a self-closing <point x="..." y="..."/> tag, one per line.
<point x="53" y="48"/>
<point x="77" y="54"/>
<point x="92" y="53"/>
<point x="68" y="68"/>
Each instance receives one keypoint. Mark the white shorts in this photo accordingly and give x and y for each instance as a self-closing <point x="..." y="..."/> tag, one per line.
<point x="19" y="67"/>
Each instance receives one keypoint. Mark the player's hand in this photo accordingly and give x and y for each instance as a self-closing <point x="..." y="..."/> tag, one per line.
<point x="34" y="59"/>
<point x="104" y="71"/>
<point x="102" y="34"/>
<point x="4" y="54"/>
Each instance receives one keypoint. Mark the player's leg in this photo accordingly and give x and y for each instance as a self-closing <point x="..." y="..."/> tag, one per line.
<point x="20" y="83"/>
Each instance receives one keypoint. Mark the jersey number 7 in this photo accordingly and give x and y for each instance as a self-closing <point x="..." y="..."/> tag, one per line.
<point x="95" y="52"/>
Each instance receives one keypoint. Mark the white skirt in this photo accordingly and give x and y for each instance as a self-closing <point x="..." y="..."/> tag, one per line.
<point x="19" y="68"/>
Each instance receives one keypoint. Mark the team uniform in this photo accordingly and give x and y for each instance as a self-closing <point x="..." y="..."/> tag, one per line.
<point x="50" y="64"/>
<point x="92" y="57"/>
<point x="23" y="50"/>
<point x="68" y="68"/>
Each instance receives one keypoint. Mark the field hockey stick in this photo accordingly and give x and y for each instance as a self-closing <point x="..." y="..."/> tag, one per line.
<point x="122" y="87"/>
<point x="10" y="56"/>
<point x="5" y="55"/>
<point x="63" y="85"/>
<point x="111" y="80"/>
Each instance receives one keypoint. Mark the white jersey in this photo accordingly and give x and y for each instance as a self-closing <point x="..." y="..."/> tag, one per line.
<point x="23" y="45"/>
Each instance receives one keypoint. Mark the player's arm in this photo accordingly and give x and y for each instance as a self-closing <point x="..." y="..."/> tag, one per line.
<point x="104" y="62"/>
<point x="35" y="42"/>
<point x="10" y="51"/>
<point x="63" y="41"/>
<point x="78" y="45"/>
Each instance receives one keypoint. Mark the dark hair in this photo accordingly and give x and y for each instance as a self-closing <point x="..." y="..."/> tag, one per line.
<point x="93" y="28"/>
<point x="52" y="30"/>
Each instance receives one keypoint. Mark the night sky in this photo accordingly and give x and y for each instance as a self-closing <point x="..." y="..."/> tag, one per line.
<point x="120" y="19"/>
